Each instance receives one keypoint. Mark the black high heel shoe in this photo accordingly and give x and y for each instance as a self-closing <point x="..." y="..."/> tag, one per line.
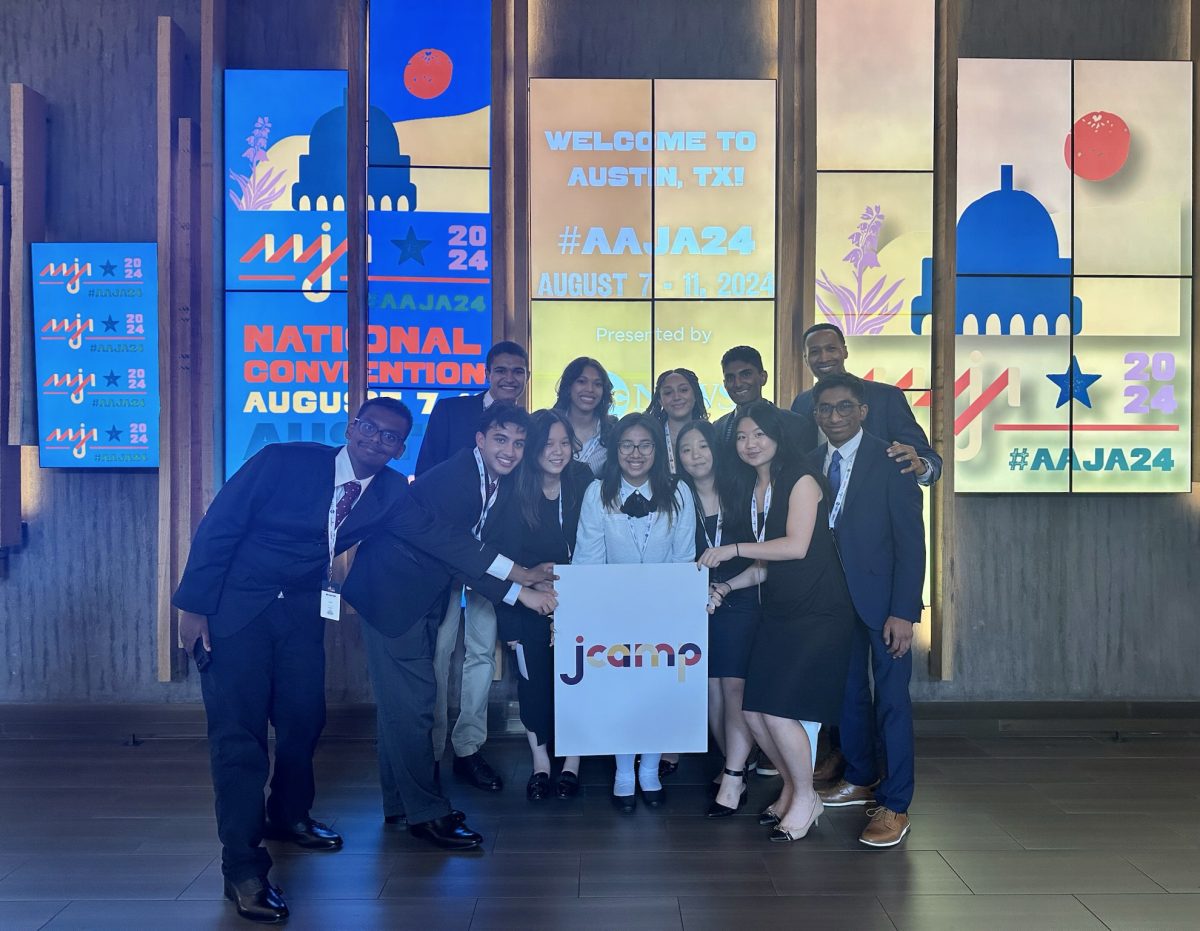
<point x="717" y="810"/>
<point x="768" y="818"/>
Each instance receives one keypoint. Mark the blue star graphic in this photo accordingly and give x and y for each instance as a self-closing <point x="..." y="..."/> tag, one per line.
<point x="111" y="379"/>
<point x="110" y="325"/>
<point x="412" y="247"/>
<point x="114" y="435"/>
<point x="1073" y="384"/>
<point x="109" y="269"/>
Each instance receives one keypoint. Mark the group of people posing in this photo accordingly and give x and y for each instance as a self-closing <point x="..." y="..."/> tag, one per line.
<point x="809" y="522"/>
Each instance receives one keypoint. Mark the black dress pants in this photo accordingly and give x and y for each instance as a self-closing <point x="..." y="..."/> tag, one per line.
<point x="272" y="670"/>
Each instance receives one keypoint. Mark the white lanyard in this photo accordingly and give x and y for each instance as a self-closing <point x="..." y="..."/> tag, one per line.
<point x="760" y="535"/>
<point x="333" y="529"/>
<point x="712" y="543"/>
<point x="670" y="448"/>
<point x="649" y="525"/>
<point x="486" y="500"/>
<point x="840" y="498"/>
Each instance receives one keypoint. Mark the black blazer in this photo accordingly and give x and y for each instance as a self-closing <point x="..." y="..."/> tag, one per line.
<point x="799" y="434"/>
<point x="266" y="532"/>
<point x="880" y="535"/>
<point x="452" y="426"/>
<point x="394" y="584"/>
<point x="888" y="417"/>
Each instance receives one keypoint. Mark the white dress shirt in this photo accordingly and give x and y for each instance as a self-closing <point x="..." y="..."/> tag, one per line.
<point x="849" y="450"/>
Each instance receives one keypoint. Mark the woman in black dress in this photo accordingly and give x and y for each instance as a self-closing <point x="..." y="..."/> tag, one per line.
<point x="801" y="651"/>
<point x="550" y="487"/>
<point x="731" y="626"/>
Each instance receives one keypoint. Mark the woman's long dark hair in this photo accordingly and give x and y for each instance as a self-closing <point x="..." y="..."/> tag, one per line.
<point x="699" y="411"/>
<point x="529" y="475"/>
<point x="574" y="369"/>
<point x="662" y="484"/>
<point x="788" y="460"/>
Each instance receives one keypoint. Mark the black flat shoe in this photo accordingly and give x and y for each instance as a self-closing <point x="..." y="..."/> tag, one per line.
<point x="400" y="819"/>
<point x="653" y="797"/>
<point x="538" y="787"/>
<point x="568" y="784"/>
<point x="626" y="804"/>
<point x="666" y="768"/>
<point x="447" y="833"/>
<point x="257" y="899"/>
<point x="309" y="834"/>
<point x="478" y="772"/>
<point x="717" y="810"/>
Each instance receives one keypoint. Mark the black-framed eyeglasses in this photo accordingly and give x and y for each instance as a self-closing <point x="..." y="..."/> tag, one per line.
<point x="627" y="447"/>
<point x="369" y="429"/>
<point x="843" y="408"/>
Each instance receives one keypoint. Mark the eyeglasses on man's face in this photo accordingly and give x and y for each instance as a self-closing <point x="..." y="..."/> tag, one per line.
<point x="628" y="447"/>
<point x="842" y="409"/>
<point x="386" y="437"/>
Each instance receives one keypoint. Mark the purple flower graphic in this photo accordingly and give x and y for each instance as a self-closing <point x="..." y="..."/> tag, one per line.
<point x="258" y="190"/>
<point x="859" y="313"/>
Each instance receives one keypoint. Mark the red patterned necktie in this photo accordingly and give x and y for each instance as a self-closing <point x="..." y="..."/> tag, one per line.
<point x="350" y="492"/>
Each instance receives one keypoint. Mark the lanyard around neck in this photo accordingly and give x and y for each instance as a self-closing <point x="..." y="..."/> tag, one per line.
<point x="760" y="534"/>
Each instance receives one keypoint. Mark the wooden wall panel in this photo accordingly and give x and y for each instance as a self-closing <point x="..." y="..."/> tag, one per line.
<point x="10" y="454"/>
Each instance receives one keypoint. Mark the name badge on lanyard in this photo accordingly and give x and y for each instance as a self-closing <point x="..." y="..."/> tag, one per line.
<point x="331" y="596"/>
<point x="760" y="534"/>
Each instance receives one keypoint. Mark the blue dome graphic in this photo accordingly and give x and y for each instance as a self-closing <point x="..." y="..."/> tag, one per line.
<point x="1009" y="266"/>
<point x="323" y="169"/>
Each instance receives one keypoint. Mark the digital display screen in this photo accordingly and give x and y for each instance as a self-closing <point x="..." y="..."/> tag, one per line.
<point x="95" y="309"/>
<point x="652" y="229"/>
<point x="1074" y="292"/>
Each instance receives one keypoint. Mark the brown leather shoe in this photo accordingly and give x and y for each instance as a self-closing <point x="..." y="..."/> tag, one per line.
<point x="843" y="795"/>
<point x="885" y="829"/>
<point x="830" y="768"/>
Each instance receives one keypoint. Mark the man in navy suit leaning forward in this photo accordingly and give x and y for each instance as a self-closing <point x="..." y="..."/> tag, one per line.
<point x="252" y="611"/>
<point x="876" y="520"/>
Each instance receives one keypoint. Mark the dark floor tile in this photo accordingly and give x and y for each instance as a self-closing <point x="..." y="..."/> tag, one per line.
<point x="959" y="831"/>
<point x="28" y="916"/>
<point x="1178" y="871"/>
<point x="1107" y="799"/>
<point x="863" y="872"/>
<point x="110" y="773"/>
<point x="1049" y="747"/>
<point x="124" y="915"/>
<point x="1004" y="772"/>
<point x="544" y="914"/>
<point x="784" y="913"/>
<point x="365" y="835"/>
<point x="937" y="747"/>
<point x="1174" y="746"/>
<point x="1143" y="912"/>
<point x="1047" y="871"/>
<point x="993" y="912"/>
<point x="635" y="873"/>
<point x="102" y="877"/>
<point x="315" y="875"/>
<point x="478" y="874"/>
<point x="967" y="794"/>
<point x="1092" y="832"/>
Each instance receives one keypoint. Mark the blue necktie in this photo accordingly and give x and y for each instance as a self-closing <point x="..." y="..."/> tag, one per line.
<point x="835" y="471"/>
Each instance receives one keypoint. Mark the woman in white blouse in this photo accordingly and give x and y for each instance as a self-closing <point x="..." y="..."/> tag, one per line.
<point x="636" y="513"/>
<point x="585" y="395"/>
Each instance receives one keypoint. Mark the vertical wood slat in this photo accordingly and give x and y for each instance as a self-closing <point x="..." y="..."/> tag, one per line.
<point x="945" y="211"/>
<point x="510" y="173"/>
<point x="10" y="454"/>
<point x="1193" y="43"/>
<point x="27" y="115"/>
<point x="356" y="202"/>
<point x="795" y="194"/>
<point x="172" y="468"/>
<point x="209" y="396"/>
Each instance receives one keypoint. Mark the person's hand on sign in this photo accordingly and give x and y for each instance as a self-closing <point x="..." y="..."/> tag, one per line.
<point x="715" y="555"/>
<point x="540" y="602"/>
<point x="535" y="577"/>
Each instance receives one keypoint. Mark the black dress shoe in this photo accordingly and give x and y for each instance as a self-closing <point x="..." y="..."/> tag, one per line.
<point x="447" y="833"/>
<point x="717" y="810"/>
<point x="626" y="804"/>
<point x="653" y="797"/>
<point x="568" y="784"/>
<point x="667" y="768"/>
<point x="257" y="900"/>
<point x="312" y="835"/>
<point x="475" y="770"/>
<point x="538" y="787"/>
<point x="400" y="819"/>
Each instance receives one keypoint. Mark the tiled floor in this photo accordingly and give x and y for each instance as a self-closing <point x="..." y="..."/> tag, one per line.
<point x="1023" y="833"/>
